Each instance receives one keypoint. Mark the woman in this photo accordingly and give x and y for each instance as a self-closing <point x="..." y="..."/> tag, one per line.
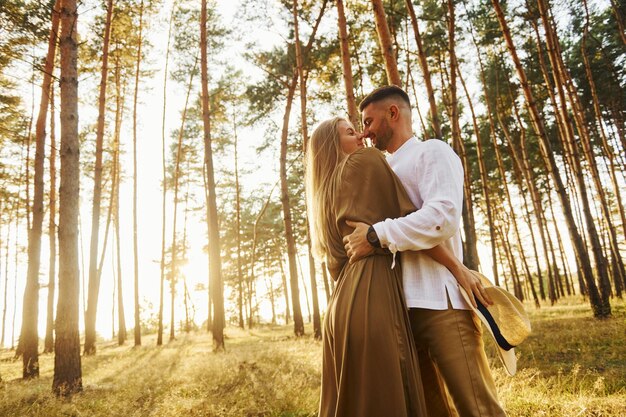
<point x="369" y="365"/>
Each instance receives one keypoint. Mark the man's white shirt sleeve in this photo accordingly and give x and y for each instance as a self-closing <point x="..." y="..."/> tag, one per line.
<point x="440" y="185"/>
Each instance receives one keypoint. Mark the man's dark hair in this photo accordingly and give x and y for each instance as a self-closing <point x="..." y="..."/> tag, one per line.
<point x="382" y="93"/>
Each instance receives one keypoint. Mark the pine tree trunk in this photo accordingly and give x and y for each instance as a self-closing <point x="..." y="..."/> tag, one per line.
<point x="272" y="298"/>
<point x="215" y="272"/>
<point x="600" y="306"/>
<point x="522" y="161"/>
<point x="177" y="174"/>
<point x="121" y="316"/>
<point x="94" y="279"/>
<point x="6" y="277"/>
<point x="238" y="226"/>
<point x="456" y="135"/>
<point x="115" y="197"/>
<point x="470" y="252"/>
<point x="555" y="282"/>
<point x="29" y="338"/>
<point x="566" y="272"/>
<point x="15" y="277"/>
<point x="317" y="327"/>
<point x="353" y="113"/>
<point x="284" y="188"/>
<point x="305" y="289"/>
<point x="67" y="378"/>
<point x="386" y="44"/>
<point x="284" y="197"/>
<point x="285" y="292"/>
<point x="251" y="276"/>
<point x="434" y="115"/>
<point x="137" y="331"/>
<point x="52" y="233"/>
<point x="317" y="323"/>
<point x="164" y="181"/>
<point x="517" y="171"/>
<point x="325" y="278"/>
<point x="186" y="297"/>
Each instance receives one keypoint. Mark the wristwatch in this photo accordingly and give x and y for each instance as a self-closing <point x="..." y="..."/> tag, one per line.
<point x="372" y="237"/>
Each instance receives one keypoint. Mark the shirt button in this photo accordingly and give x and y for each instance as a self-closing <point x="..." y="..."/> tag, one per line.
<point x="438" y="227"/>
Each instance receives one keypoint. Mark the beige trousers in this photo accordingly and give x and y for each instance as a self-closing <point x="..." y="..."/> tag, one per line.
<point x="455" y="372"/>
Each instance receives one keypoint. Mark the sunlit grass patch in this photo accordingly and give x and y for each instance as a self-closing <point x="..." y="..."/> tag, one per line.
<point x="571" y="365"/>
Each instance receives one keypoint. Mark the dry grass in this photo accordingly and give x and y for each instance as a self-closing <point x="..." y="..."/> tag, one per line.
<point x="572" y="365"/>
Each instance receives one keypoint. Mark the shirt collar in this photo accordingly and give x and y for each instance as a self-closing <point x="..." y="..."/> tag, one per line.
<point x="406" y="147"/>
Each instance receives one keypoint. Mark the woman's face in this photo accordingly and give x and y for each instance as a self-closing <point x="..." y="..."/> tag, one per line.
<point x="349" y="139"/>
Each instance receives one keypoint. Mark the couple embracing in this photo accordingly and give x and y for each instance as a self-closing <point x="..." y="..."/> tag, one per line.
<point x="400" y="336"/>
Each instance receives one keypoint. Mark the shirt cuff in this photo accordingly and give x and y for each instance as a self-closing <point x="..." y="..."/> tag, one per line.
<point x="383" y="238"/>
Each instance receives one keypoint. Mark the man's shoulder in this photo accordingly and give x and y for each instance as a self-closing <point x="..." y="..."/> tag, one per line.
<point x="435" y="148"/>
<point x="434" y="144"/>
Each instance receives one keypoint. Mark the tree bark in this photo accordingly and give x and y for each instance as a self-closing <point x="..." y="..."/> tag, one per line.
<point x="386" y="44"/>
<point x="94" y="279"/>
<point x="483" y="173"/>
<point x="186" y="297"/>
<point x="16" y="253"/>
<point x="29" y="338"/>
<point x="304" y="288"/>
<point x="238" y="227"/>
<point x="164" y="180"/>
<point x="270" y="287"/>
<point x="566" y="271"/>
<point x="215" y="274"/>
<point x="284" y="189"/>
<point x="115" y="197"/>
<point x="284" y="197"/>
<point x="6" y="276"/>
<point x="456" y="134"/>
<point x="67" y="378"/>
<point x="325" y="278"/>
<point x="137" y="330"/>
<point x="470" y="252"/>
<point x="251" y="274"/>
<point x="348" y="82"/>
<point x="52" y="232"/>
<point x="421" y="54"/>
<point x="285" y="292"/>
<point x="177" y="173"/>
<point x="317" y="327"/>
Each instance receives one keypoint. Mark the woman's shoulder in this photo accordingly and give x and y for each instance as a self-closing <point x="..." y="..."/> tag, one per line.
<point x="364" y="156"/>
<point x="364" y="162"/>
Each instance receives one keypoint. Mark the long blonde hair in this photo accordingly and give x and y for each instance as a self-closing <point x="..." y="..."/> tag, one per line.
<point x="323" y="157"/>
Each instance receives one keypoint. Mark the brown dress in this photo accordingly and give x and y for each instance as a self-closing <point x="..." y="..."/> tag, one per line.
<point x="369" y="365"/>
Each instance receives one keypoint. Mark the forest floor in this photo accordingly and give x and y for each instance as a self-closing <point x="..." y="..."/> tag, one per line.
<point x="571" y="365"/>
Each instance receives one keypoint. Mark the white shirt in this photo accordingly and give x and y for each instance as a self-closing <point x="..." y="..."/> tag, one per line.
<point x="432" y="175"/>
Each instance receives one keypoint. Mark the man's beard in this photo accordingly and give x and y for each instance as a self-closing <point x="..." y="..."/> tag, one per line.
<point x="382" y="140"/>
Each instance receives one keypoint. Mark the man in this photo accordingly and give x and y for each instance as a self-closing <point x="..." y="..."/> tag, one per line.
<point x="446" y="332"/>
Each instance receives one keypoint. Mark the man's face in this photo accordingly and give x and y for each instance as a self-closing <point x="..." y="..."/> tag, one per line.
<point x="376" y="126"/>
